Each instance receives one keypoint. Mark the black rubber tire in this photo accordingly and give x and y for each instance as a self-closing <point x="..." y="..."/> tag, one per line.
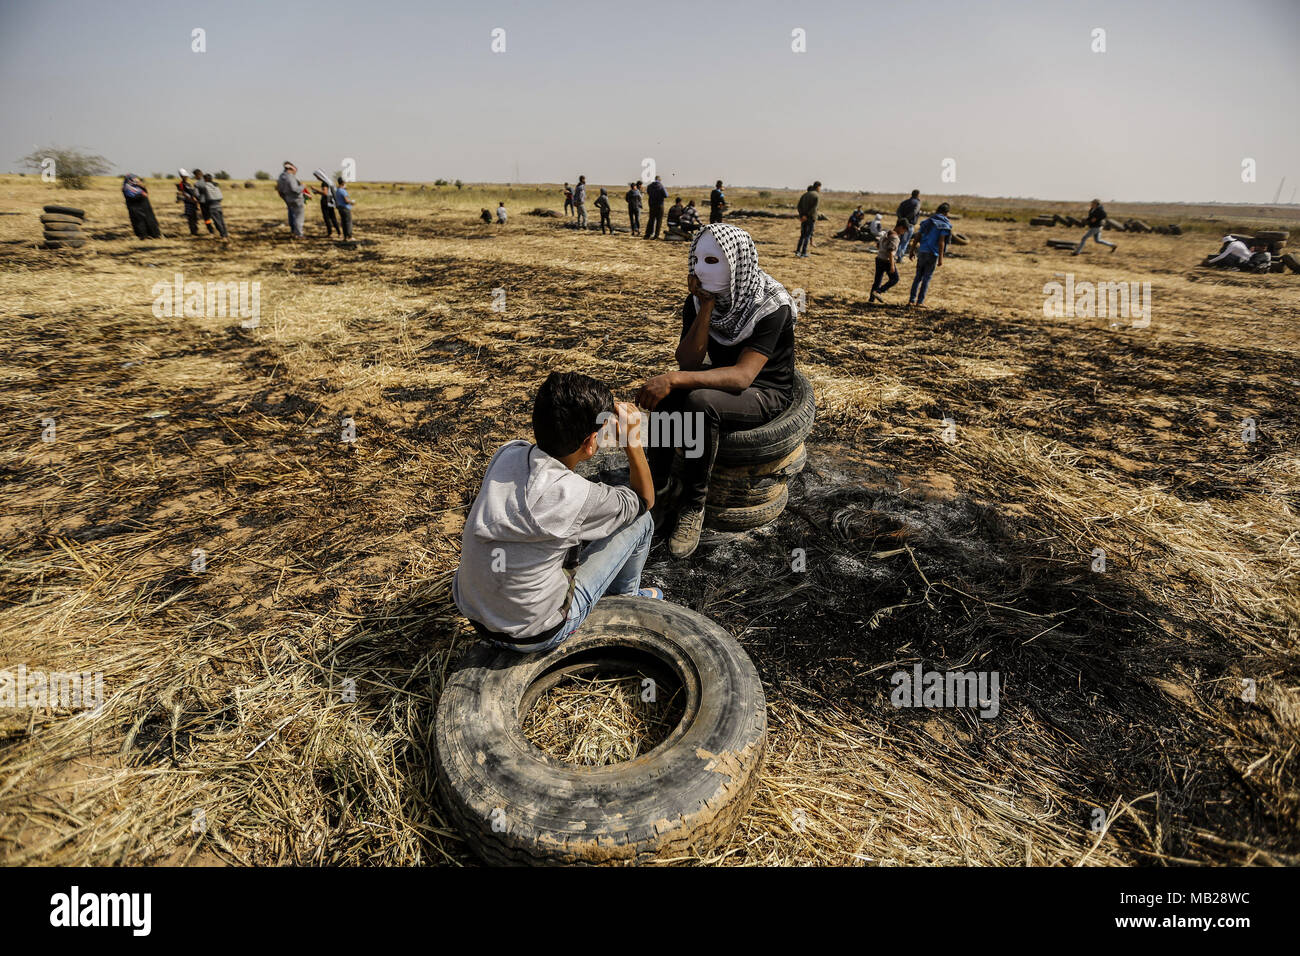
<point x="777" y="438"/>
<point x="959" y="240"/>
<point x="65" y="211"/>
<point x="686" y="795"/>
<point x="52" y="217"/>
<point x="64" y="243"/>
<point x="1273" y="235"/>
<point x="746" y="519"/>
<point x="787" y="466"/>
<point x="61" y="228"/>
<point x="1292" y="261"/>
<point x="764" y="491"/>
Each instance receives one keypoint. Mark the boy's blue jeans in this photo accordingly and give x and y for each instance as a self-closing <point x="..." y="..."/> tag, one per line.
<point x="609" y="566"/>
<point x="925" y="263"/>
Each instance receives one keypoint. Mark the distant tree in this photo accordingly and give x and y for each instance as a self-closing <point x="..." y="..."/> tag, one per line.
<point x="261" y="174"/>
<point x="459" y="184"/>
<point x="441" y="182"/>
<point x="71" y="167"/>
<point x="221" y="175"/>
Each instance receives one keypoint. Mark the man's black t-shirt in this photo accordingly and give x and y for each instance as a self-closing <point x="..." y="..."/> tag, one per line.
<point x="773" y="336"/>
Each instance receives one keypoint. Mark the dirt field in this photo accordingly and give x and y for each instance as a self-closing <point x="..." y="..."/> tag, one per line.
<point x="228" y="735"/>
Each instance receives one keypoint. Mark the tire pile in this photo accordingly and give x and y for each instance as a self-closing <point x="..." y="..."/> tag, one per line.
<point x="1275" y="241"/>
<point x="748" y="487"/>
<point x="1110" y="225"/>
<point x="62" y="225"/>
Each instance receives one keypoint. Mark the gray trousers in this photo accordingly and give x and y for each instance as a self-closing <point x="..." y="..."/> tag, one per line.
<point x="295" y="217"/>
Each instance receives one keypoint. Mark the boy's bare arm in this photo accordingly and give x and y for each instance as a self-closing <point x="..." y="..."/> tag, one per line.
<point x="631" y="438"/>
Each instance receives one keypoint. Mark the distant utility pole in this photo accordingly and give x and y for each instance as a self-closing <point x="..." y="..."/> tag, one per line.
<point x="1278" y="198"/>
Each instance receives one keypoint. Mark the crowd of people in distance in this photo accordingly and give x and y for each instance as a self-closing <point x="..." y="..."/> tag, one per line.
<point x="336" y="204"/>
<point x="677" y="222"/>
<point x="201" y="197"/>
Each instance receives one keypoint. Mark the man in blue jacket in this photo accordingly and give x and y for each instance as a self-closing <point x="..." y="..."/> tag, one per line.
<point x="931" y="243"/>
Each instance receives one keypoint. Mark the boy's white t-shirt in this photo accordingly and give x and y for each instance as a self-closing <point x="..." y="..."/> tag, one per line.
<point x="530" y="510"/>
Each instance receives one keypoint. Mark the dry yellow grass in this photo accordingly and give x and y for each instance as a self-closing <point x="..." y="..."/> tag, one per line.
<point x="328" y="563"/>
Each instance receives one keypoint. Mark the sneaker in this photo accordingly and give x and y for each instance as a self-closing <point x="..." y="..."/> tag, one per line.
<point x="686" y="536"/>
<point x="1114" y="247"/>
<point x="653" y="593"/>
<point x="875" y="297"/>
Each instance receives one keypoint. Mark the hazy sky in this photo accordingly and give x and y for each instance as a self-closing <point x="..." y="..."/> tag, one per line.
<point x="886" y="91"/>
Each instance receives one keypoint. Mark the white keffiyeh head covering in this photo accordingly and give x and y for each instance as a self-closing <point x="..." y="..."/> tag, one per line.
<point x="752" y="294"/>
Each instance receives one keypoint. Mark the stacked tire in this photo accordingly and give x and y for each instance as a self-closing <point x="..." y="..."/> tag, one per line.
<point x="62" y="227"/>
<point x="748" y="487"/>
<point x="1273" y="239"/>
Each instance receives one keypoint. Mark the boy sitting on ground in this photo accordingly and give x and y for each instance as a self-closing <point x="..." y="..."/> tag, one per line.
<point x="533" y="511"/>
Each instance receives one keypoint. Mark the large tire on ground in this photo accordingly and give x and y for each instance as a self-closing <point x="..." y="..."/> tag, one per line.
<point x="64" y="243"/>
<point x="1273" y="235"/>
<point x="746" y="519"/>
<point x="685" y="795"/>
<point x="51" y="217"/>
<point x="1292" y="262"/>
<point x="65" y="211"/>
<point x="959" y="240"/>
<point x="777" y="438"/>
<point x="63" y="228"/>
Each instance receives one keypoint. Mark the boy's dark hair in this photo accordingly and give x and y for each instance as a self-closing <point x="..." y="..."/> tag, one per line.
<point x="565" y="411"/>
<point x="943" y="209"/>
